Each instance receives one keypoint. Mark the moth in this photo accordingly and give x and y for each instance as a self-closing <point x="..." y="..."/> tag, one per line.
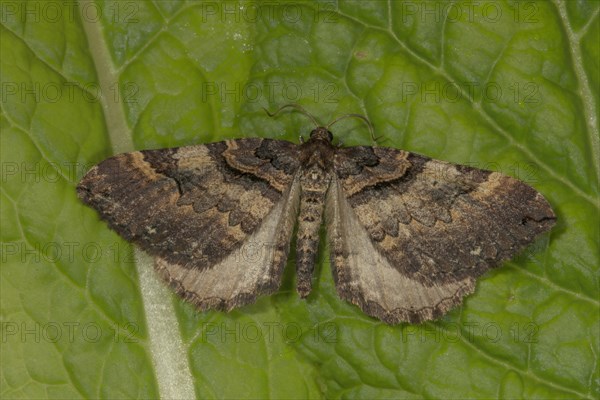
<point x="408" y="235"/>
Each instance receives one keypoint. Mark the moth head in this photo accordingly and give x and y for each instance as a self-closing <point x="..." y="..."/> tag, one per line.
<point x="321" y="133"/>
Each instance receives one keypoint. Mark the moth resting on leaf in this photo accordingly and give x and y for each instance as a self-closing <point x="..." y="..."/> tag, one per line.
<point x="408" y="235"/>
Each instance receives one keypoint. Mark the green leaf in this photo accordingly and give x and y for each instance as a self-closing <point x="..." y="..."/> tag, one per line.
<point x="511" y="86"/>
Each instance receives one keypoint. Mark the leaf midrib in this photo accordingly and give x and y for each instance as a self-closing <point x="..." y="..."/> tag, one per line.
<point x="585" y="90"/>
<point x="170" y="360"/>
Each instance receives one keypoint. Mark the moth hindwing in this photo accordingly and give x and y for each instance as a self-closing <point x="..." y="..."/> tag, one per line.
<point x="408" y="235"/>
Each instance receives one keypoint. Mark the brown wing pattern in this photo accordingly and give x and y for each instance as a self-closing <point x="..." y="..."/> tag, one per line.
<point x="194" y="206"/>
<point x="429" y="230"/>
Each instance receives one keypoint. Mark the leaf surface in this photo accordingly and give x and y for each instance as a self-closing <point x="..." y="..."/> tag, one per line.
<point x="503" y="85"/>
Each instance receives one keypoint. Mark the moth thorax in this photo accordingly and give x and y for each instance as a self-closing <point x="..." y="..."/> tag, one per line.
<point x="314" y="179"/>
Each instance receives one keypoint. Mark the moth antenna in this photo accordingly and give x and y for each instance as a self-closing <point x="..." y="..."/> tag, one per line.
<point x="297" y="107"/>
<point x="369" y="124"/>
